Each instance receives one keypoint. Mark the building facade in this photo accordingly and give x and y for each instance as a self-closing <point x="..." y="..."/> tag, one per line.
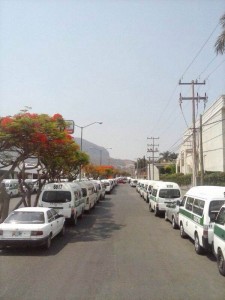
<point x="213" y="141"/>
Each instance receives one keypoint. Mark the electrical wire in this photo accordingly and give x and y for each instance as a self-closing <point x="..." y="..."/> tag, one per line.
<point x="215" y="69"/>
<point x="200" y="50"/>
<point x="199" y="76"/>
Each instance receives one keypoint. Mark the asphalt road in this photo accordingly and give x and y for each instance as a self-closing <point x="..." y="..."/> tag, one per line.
<point x="118" y="251"/>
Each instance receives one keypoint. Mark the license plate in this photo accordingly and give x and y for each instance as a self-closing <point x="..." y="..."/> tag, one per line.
<point x="20" y="234"/>
<point x="16" y="233"/>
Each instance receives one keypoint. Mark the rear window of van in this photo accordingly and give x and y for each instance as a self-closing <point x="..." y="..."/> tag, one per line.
<point x="56" y="196"/>
<point x="169" y="193"/>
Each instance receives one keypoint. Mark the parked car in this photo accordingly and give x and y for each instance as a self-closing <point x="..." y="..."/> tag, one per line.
<point x="162" y="194"/>
<point x="219" y="240"/>
<point x="31" y="226"/>
<point x="133" y="182"/>
<point x="172" y="213"/>
<point x="12" y="187"/>
<point x="108" y="186"/>
<point x="65" y="197"/>
<point x="197" y="214"/>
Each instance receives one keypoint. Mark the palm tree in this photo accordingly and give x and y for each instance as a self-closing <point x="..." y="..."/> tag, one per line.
<point x="220" y="43"/>
<point x="168" y="156"/>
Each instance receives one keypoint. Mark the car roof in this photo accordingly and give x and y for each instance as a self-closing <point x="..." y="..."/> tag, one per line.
<point x="207" y="191"/>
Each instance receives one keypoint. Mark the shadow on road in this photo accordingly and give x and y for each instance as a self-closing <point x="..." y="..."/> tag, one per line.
<point x="97" y="225"/>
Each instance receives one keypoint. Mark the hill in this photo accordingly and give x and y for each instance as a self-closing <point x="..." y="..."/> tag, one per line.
<point x="100" y="156"/>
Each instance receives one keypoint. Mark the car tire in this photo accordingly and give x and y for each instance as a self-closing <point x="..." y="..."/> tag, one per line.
<point x="174" y="224"/>
<point x="74" y="219"/>
<point x="166" y="219"/>
<point x="150" y="207"/>
<point x="198" y="247"/>
<point x="156" y="212"/>
<point x="63" y="230"/>
<point x="48" y="242"/>
<point x="182" y="232"/>
<point x="221" y="262"/>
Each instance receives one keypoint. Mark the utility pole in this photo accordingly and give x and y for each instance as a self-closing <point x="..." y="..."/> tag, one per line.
<point x="201" y="153"/>
<point x="194" y="99"/>
<point x="149" y="168"/>
<point x="153" y="150"/>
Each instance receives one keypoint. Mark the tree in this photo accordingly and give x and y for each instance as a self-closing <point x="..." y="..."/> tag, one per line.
<point x="220" y="43"/>
<point x="167" y="156"/>
<point x="42" y="138"/>
<point x="96" y="171"/>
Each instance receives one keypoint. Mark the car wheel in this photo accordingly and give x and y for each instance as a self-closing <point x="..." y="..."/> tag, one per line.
<point x="156" y="212"/>
<point x="75" y="219"/>
<point x="174" y="224"/>
<point x="182" y="232"/>
<point x="220" y="262"/>
<point x="63" y="230"/>
<point x="198" y="247"/>
<point x="166" y="219"/>
<point x="48" y="242"/>
<point x="150" y="208"/>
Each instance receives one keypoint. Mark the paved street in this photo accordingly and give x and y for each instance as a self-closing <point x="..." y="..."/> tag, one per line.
<point x="118" y="251"/>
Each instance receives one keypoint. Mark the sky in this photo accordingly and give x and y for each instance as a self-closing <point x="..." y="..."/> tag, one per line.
<point x="118" y="62"/>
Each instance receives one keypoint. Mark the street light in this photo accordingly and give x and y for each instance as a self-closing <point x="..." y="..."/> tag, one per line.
<point x="81" y="128"/>
<point x="81" y="137"/>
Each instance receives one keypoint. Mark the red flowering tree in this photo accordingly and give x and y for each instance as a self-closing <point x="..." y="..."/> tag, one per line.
<point x="100" y="171"/>
<point x="42" y="138"/>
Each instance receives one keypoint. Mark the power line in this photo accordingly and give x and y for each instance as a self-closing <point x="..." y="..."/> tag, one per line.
<point x="207" y="66"/>
<point x="215" y="69"/>
<point x="200" y="50"/>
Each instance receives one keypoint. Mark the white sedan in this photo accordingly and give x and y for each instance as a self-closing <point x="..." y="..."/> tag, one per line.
<point x="31" y="226"/>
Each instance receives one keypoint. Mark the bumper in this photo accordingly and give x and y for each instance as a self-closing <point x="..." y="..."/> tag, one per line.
<point x="23" y="242"/>
<point x="206" y="245"/>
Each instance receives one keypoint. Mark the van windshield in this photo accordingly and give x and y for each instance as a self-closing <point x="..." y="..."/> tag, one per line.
<point x="56" y="196"/>
<point x="169" y="193"/>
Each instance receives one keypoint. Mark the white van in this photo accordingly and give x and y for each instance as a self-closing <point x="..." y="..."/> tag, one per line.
<point x="142" y="187"/>
<point x="162" y="194"/>
<point x="219" y="240"/>
<point x="133" y="182"/>
<point x="101" y="189"/>
<point x="88" y="189"/>
<point x="65" y="197"/>
<point x="197" y="214"/>
<point x="148" y="189"/>
<point x="108" y="186"/>
<point x="12" y="187"/>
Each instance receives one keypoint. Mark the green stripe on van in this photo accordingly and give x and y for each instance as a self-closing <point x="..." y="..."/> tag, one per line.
<point x="219" y="232"/>
<point x="197" y="219"/>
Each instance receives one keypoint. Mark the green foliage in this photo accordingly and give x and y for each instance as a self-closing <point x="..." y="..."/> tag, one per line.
<point x="210" y="178"/>
<point x="167" y="156"/>
<point x="42" y="137"/>
<point x="179" y="178"/>
<point x="215" y="178"/>
<point x="168" y="169"/>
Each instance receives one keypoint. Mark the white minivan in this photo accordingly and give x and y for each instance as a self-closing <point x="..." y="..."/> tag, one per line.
<point x="197" y="214"/>
<point x="88" y="191"/>
<point x="65" y="197"/>
<point x="162" y="194"/>
<point x="219" y="240"/>
<point x="12" y="187"/>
